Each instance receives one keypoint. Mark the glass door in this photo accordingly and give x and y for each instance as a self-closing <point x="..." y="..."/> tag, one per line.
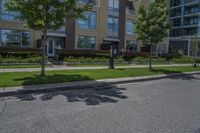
<point x="51" y="48"/>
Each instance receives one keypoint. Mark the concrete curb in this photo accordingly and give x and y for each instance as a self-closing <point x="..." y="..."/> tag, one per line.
<point x="83" y="85"/>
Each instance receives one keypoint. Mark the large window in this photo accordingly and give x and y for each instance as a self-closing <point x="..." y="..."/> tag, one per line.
<point x="86" y="42"/>
<point x="130" y="27"/>
<point x="6" y="15"/>
<point x="89" y="22"/>
<point x="113" y="26"/>
<point x="114" y="4"/>
<point x="14" y="38"/>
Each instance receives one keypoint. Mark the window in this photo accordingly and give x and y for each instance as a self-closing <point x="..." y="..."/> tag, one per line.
<point x="175" y="3"/>
<point x="26" y="38"/>
<point x="6" y="15"/>
<point x="15" y="38"/>
<point x="114" y="4"/>
<point x="87" y="1"/>
<point x="89" y="23"/>
<point x="176" y="32"/>
<point x="113" y="26"/>
<point x="130" y="27"/>
<point x="86" y="42"/>
<point x="131" y="45"/>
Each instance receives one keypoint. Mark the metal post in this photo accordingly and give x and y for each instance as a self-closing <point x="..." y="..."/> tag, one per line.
<point x="111" y="63"/>
<point x="195" y="52"/>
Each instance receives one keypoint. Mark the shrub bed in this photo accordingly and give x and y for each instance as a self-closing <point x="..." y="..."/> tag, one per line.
<point x="9" y="59"/>
<point x="19" y="52"/>
<point x="185" y="59"/>
<point x="122" y="59"/>
<point x="63" y="54"/>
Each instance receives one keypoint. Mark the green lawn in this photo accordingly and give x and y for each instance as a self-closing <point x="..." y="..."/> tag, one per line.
<point x="33" y="78"/>
<point x="22" y="66"/>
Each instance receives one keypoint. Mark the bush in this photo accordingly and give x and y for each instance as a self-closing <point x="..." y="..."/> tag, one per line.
<point x="170" y="56"/>
<point x="9" y="59"/>
<point x="19" y="52"/>
<point x="184" y="59"/>
<point x="82" y="53"/>
<point x="72" y="59"/>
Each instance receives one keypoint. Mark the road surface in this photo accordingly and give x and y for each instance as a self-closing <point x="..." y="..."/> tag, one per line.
<point x="159" y="106"/>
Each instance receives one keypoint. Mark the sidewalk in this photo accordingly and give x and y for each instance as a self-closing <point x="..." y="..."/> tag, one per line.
<point x="82" y="68"/>
<point x="91" y="84"/>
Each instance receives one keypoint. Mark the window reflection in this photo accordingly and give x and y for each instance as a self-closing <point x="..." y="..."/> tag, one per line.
<point x="89" y="23"/>
<point x="86" y="42"/>
<point x="15" y="38"/>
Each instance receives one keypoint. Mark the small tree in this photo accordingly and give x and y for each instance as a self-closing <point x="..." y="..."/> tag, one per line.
<point x="43" y="15"/>
<point x="152" y="23"/>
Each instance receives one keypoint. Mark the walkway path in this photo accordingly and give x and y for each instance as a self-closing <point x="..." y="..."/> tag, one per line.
<point x="81" y="68"/>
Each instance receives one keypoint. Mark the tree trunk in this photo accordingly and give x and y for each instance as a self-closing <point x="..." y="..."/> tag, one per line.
<point x="44" y="41"/>
<point x="150" y="59"/>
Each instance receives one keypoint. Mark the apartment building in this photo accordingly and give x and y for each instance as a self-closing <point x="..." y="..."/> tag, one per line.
<point x="108" y="21"/>
<point x="185" y="19"/>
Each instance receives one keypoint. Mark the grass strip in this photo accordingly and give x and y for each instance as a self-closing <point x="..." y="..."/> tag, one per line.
<point x="33" y="78"/>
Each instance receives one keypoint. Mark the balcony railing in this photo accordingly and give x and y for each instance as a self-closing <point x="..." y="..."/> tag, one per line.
<point x="8" y="16"/>
<point x="191" y="1"/>
<point x="196" y="10"/>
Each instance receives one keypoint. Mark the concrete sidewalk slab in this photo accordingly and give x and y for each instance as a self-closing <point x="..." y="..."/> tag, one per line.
<point x="92" y="84"/>
<point x="82" y="68"/>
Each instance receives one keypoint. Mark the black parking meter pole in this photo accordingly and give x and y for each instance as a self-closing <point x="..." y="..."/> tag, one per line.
<point x="111" y="63"/>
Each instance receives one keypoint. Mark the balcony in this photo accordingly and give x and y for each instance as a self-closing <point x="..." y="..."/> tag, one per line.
<point x="191" y="1"/>
<point x="8" y="17"/>
<point x="188" y="12"/>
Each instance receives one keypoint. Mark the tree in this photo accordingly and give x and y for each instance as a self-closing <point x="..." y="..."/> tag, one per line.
<point x="43" y="15"/>
<point x="152" y="23"/>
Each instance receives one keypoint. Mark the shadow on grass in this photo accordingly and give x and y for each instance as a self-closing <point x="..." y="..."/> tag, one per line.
<point x="95" y="96"/>
<point x="164" y="71"/>
<point x="56" y="78"/>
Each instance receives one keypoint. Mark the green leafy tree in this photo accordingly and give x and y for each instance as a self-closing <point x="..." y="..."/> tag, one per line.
<point x="152" y="24"/>
<point x="43" y="15"/>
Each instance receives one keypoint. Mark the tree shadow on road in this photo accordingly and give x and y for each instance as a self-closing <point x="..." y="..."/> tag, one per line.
<point x="90" y="96"/>
<point x="109" y="94"/>
<point x="174" y="74"/>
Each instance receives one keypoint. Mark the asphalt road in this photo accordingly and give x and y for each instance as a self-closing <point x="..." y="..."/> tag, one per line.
<point x="159" y="106"/>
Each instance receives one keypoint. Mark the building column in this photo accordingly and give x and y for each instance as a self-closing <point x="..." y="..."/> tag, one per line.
<point x="122" y="23"/>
